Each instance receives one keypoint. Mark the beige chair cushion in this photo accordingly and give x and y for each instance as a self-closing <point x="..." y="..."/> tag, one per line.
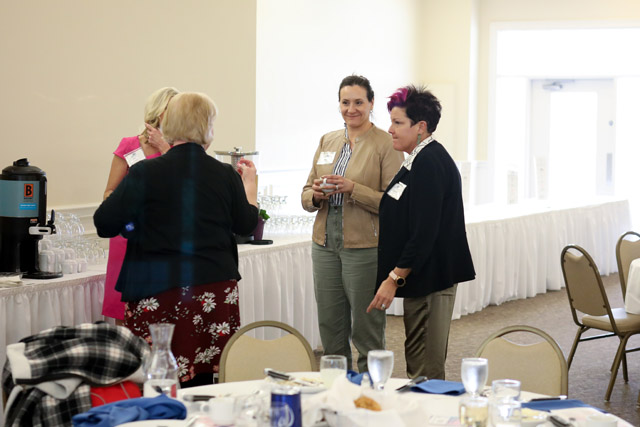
<point x="628" y="250"/>
<point x="248" y="357"/>
<point x="583" y="285"/>
<point x="626" y="322"/>
<point x="536" y="366"/>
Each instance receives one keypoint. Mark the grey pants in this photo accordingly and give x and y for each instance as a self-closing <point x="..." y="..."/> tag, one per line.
<point x="345" y="281"/>
<point x="426" y="323"/>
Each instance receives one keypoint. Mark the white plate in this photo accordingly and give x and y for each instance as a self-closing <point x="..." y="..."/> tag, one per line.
<point x="304" y="389"/>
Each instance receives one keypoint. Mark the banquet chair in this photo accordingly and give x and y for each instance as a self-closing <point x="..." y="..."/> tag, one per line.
<point x="588" y="298"/>
<point x="626" y="251"/>
<point x="539" y="366"/>
<point x="245" y="358"/>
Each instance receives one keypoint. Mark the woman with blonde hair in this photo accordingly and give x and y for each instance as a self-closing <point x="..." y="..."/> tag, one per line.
<point x="180" y="212"/>
<point x="147" y="145"/>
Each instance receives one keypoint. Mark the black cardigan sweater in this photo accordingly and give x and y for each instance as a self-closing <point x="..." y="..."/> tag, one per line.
<point x="178" y="212"/>
<point x="425" y="230"/>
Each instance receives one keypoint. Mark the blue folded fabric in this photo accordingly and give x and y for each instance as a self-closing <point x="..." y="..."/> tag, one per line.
<point x="550" y="405"/>
<point x="124" y="411"/>
<point x="355" y="377"/>
<point x="452" y="388"/>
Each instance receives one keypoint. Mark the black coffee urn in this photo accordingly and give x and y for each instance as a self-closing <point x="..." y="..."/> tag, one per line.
<point x="23" y="216"/>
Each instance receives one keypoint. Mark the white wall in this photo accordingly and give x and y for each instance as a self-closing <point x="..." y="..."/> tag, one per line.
<point x="75" y="76"/>
<point x="304" y="49"/>
<point x="447" y="64"/>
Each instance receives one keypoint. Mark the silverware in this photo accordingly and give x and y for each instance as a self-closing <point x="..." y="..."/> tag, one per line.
<point x="559" y="421"/>
<point x="414" y="381"/>
<point x="286" y="377"/>
<point x="542" y="399"/>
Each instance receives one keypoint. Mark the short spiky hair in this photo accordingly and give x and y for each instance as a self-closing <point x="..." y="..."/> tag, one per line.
<point x="419" y="104"/>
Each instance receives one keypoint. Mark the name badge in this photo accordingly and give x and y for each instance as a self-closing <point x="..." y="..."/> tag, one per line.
<point x="134" y="156"/>
<point x="397" y="190"/>
<point x="326" y="157"/>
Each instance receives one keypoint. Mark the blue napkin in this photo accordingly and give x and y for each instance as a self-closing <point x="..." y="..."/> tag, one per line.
<point x="355" y="377"/>
<point x="550" y="405"/>
<point x="452" y="388"/>
<point x="124" y="411"/>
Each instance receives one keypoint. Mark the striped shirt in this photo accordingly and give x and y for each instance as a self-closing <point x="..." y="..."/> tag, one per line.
<point x="339" y="169"/>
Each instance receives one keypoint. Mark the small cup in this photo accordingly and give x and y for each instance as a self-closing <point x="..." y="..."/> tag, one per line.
<point x="474" y="411"/>
<point x="601" y="420"/>
<point x="220" y="410"/>
<point x="326" y="187"/>
<point x="82" y="265"/>
<point x="59" y="259"/>
<point x="47" y="260"/>
<point x="69" y="266"/>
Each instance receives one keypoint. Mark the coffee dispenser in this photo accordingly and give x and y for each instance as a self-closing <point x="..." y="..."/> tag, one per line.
<point x="23" y="216"/>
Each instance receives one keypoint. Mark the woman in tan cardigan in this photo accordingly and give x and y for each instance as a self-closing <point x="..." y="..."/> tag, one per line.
<point x="350" y="171"/>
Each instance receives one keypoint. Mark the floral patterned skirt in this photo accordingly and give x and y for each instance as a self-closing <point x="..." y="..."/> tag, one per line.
<point x="205" y="317"/>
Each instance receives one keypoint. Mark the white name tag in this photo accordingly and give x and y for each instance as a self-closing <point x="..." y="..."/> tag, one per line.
<point x="397" y="190"/>
<point x="134" y="156"/>
<point x="326" y="157"/>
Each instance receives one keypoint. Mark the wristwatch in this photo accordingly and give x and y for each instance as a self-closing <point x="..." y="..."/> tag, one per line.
<point x="399" y="280"/>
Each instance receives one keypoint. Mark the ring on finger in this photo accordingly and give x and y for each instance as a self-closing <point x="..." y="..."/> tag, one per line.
<point x="384" y="307"/>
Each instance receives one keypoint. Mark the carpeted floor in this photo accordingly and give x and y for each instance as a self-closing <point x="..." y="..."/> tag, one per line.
<point x="589" y="374"/>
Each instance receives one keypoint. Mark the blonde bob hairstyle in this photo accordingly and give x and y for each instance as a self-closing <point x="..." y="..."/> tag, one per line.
<point x="189" y="118"/>
<point x="156" y="105"/>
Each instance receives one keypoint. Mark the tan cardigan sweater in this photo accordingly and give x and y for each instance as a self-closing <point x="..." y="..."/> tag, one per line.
<point x="372" y="166"/>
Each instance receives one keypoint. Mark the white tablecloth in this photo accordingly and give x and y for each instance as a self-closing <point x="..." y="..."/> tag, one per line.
<point x="440" y="410"/>
<point x="516" y="248"/>
<point x="277" y="284"/>
<point x="632" y="298"/>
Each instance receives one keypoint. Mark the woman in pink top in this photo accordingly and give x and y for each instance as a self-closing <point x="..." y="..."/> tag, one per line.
<point x="132" y="149"/>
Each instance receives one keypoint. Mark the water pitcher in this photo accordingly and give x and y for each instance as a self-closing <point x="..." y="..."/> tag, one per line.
<point x="161" y="368"/>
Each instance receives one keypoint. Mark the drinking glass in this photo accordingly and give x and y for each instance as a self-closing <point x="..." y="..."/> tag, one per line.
<point x="281" y="415"/>
<point x="380" y="364"/>
<point x="474" y="411"/>
<point x="332" y="367"/>
<point x="474" y="372"/>
<point x="505" y="413"/>
<point x="505" y="390"/>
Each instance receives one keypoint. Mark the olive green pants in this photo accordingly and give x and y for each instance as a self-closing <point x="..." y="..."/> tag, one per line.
<point x="345" y="282"/>
<point x="426" y="324"/>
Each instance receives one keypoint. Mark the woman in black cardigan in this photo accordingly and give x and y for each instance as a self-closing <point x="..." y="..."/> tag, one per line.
<point x="179" y="213"/>
<point x="423" y="251"/>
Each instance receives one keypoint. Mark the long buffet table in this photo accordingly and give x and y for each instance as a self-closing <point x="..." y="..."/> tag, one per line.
<point x="516" y="248"/>
<point x="516" y="252"/>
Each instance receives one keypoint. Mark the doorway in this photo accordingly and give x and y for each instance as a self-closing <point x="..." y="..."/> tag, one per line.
<point x="572" y="139"/>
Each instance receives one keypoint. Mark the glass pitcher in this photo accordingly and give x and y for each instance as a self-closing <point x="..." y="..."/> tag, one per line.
<point x="161" y="368"/>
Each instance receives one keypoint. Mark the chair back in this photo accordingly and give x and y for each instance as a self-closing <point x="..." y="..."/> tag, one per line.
<point x="245" y="358"/>
<point x="627" y="249"/>
<point x="584" y="285"/>
<point x="539" y="366"/>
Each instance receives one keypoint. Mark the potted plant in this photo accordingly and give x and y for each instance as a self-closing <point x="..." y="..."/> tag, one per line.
<point x="263" y="216"/>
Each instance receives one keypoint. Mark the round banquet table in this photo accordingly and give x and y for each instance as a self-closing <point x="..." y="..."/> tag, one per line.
<point x="442" y="409"/>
